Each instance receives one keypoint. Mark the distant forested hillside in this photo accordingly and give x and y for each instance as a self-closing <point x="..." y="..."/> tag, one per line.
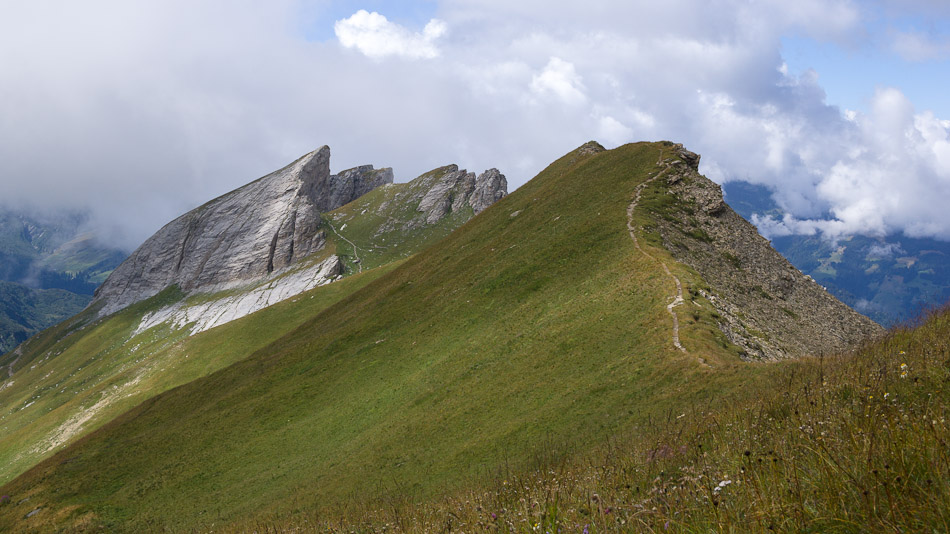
<point x="889" y="279"/>
<point x="49" y="268"/>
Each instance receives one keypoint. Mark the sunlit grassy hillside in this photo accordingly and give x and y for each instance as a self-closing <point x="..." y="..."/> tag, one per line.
<point x="74" y="377"/>
<point x="845" y="443"/>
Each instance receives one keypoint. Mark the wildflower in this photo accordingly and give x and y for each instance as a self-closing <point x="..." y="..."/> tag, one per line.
<point x="903" y="370"/>
<point x="721" y="485"/>
<point x="886" y="395"/>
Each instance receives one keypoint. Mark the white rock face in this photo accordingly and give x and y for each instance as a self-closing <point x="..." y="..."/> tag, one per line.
<point x="241" y="237"/>
<point x="249" y="245"/>
<point x="206" y="315"/>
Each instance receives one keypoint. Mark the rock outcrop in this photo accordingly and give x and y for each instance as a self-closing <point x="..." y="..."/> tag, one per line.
<point x="765" y="305"/>
<point x="243" y="236"/>
<point x="207" y="314"/>
<point x="454" y="188"/>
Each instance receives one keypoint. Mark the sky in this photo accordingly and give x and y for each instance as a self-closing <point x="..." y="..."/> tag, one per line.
<point x="140" y="111"/>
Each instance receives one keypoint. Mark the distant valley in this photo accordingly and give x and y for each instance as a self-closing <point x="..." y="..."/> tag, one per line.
<point x="891" y="280"/>
<point x="49" y="269"/>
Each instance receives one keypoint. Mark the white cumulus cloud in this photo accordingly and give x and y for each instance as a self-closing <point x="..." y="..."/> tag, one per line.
<point x="377" y="37"/>
<point x="560" y="80"/>
<point x="890" y="173"/>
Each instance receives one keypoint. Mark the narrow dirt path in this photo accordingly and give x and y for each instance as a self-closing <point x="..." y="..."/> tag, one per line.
<point x="678" y="297"/>
<point x="359" y="264"/>
<point x="19" y="354"/>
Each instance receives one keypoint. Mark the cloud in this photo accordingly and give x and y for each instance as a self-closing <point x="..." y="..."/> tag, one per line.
<point x="917" y="46"/>
<point x="139" y="111"/>
<point x="376" y="37"/>
<point x="885" y="177"/>
<point x="884" y="250"/>
<point x="613" y="131"/>
<point x="560" y="80"/>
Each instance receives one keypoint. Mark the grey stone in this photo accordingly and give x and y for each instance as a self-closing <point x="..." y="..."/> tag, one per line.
<point x="490" y="187"/>
<point x="767" y="307"/>
<point x="210" y="313"/>
<point x="452" y="189"/>
<point x="242" y="236"/>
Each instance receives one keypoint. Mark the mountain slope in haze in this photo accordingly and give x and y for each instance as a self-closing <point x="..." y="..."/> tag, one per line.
<point x="890" y="279"/>
<point x="53" y="252"/>
<point x="25" y="311"/>
<point x="540" y="323"/>
<point x="49" y="269"/>
<point x="78" y="375"/>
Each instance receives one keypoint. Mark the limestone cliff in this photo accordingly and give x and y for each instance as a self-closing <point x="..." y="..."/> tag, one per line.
<point x="242" y="236"/>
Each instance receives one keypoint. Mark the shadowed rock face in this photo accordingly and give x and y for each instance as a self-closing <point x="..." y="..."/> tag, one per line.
<point x="242" y="236"/>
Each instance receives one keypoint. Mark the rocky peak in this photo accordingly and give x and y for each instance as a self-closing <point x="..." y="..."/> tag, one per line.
<point x="340" y="189"/>
<point x="453" y="189"/>
<point x="690" y="158"/>
<point x="589" y="148"/>
<point x="242" y="236"/>
<point x="765" y="305"/>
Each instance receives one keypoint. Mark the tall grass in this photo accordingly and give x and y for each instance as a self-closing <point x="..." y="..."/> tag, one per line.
<point x="844" y="443"/>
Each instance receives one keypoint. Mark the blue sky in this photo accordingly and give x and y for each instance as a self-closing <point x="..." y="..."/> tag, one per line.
<point x="150" y="108"/>
<point x="849" y="75"/>
<point x="408" y="13"/>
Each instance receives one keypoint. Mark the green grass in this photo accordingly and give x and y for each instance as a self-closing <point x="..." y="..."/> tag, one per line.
<point x="514" y="334"/>
<point x="104" y="369"/>
<point x="848" y="443"/>
<point x="65" y="370"/>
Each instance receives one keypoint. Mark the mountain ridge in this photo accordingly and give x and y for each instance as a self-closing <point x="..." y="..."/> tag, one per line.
<point x="538" y="318"/>
<point x="767" y="307"/>
<point x="77" y="375"/>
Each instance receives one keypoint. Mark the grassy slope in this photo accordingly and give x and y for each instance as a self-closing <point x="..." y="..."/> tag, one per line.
<point x="516" y="331"/>
<point x="849" y="443"/>
<point x="378" y="223"/>
<point x="103" y="371"/>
